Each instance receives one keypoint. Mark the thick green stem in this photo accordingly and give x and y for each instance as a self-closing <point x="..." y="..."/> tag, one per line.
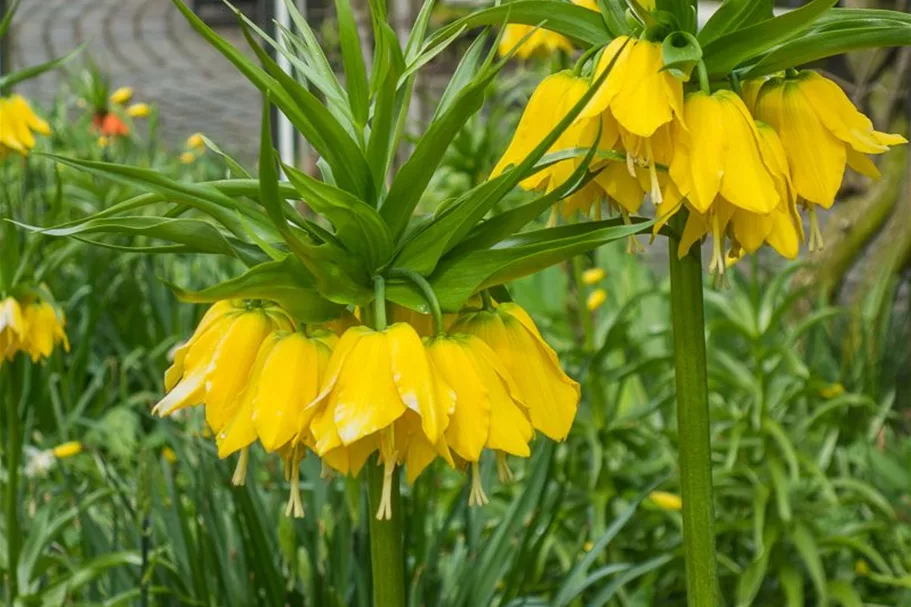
<point x="387" y="556"/>
<point x="693" y="424"/>
<point x="13" y="452"/>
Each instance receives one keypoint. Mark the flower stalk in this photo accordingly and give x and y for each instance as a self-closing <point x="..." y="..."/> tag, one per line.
<point x="387" y="555"/>
<point x="387" y="550"/>
<point x="693" y="423"/>
<point x="13" y="455"/>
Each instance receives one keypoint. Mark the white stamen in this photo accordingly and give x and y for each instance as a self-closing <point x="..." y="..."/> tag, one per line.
<point x="476" y="497"/>
<point x="503" y="472"/>
<point x="657" y="198"/>
<point x="295" y="506"/>
<point x="630" y="164"/>
<point x="385" y="510"/>
<point x="240" y="472"/>
<point x="816" y="241"/>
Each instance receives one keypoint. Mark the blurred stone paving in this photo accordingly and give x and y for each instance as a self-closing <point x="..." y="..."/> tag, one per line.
<point x="148" y="45"/>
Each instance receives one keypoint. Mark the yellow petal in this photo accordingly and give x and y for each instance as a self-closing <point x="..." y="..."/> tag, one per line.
<point x="601" y="100"/>
<point x="365" y="399"/>
<point x="469" y="423"/>
<point x="230" y="367"/>
<point x="413" y="379"/>
<point x="861" y="163"/>
<point x="646" y="98"/>
<point x="702" y="166"/>
<point x="816" y="157"/>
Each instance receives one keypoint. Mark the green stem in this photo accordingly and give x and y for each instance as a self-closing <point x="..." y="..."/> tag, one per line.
<point x="13" y="452"/>
<point x="427" y="291"/>
<point x="693" y="423"/>
<point x="387" y="555"/>
<point x="585" y="317"/>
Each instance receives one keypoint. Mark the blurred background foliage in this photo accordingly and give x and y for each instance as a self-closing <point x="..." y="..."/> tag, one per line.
<point x="810" y="379"/>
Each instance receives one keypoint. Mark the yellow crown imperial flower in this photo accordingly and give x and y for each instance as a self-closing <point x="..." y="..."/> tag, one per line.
<point x="214" y="365"/>
<point x="551" y="396"/>
<point x="17" y="123"/>
<point x="139" y="110"/>
<point x="122" y="95"/>
<point x="286" y="376"/>
<point x="666" y="501"/>
<point x="542" y="42"/>
<point x="68" y="449"/>
<point x="592" y="276"/>
<point x="551" y="101"/>
<point x="45" y="330"/>
<point x="196" y="142"/>
<point x="13" y="333"/>
<point x="373" y="377"/>
<point x="822" y="132"/>
<point x="488" y="412"/>
<point x="596" y="299"/>
<point x="718" y="168"/>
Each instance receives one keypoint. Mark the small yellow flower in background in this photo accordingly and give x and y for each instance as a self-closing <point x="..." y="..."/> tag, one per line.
<point x="45" y="330"/>
<point x="187" y="158"/>
<point x="122" y="95"/>
<point x="541" y="43"/>
<point x="666" y="501"/>
<point x="66" y="450"/>
<point x="592" y="276"/>
<point x="103" y="142"/>
<point x="196" y="142"/>
<point x="13" y="332"/>
<point x="862" y="568"/>
<point x="169" y="455"/>
<point x="596" y="299"/>
<point x="139" y="110"/>
<point x="17" y="124"/>
<point x="832" y="391"/>
<point x="588" y="546"/>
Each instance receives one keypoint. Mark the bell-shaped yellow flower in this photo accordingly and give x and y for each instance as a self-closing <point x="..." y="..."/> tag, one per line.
<point x="214" y="365"/>
<point x="639" y="93"/>
<point x="542" y="43"/>
<point x="13" y="330"/>
<point x="822" y="132"/>
<point x="45" y="330"/>
<point x="285" y="377"/>
<point x="551" y="396"/>
<point x="17" y="123"/>
<point x="139" y="110"/>
<point x="551" y="101"/>
<point x="122" y="95"/>
<point x="719" y="156"/>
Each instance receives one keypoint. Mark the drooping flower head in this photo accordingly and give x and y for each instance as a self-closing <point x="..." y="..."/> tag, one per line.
<point x="550" y="395"/>
<point x="215" y="364"/>
<point x="822" y="133"/>
<point x="18" y="123"/>
<point x="45" y="325"/>
<point x="13" y="332"/>
<point x="109" y="124"/>
<point x="550" y="103"/>
<point x="122" y="95"/>
<point x="372" y="379"/>
<point x="541" y="43"/>
<point x="139" y="110"/>
<point x="487" y="413"/>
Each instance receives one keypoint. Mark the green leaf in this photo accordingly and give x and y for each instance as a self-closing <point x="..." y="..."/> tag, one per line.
<point x="809" y="551"/>
<point x="681" y="52"/>
<point x="458" y="277"/>
<point x="781" y="487"/>
<point x="608" y="592"/>
<point x="285" y="282"/>
<point x="196" y="235"/>
<point x="14" y="78"/>
<point x="791" y="582"/>
<point x="844" y="594"/>
<point x="8" y="17"/>
<point x="389" y="99"/>
<point x="414" y="176"/>
<point x="614" y="14"/>
<point x="301" y="107"/>
<point x="353" y="62"/>
<point x="584" y="26"/>
<point x="731" y="15"/>
<point x="730" y="50"/>
<point x="819" y="45"/>
<point x="358" y="225"/>
<point x="316" y="123"/>
<point x="464" y="74"/>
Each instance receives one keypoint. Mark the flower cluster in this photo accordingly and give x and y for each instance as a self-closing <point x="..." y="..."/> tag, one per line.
<point x="742" y="163"/>
<point x="18" y="124"/>
<point x="33" y="327"/>
<point x="346" y="391"/>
